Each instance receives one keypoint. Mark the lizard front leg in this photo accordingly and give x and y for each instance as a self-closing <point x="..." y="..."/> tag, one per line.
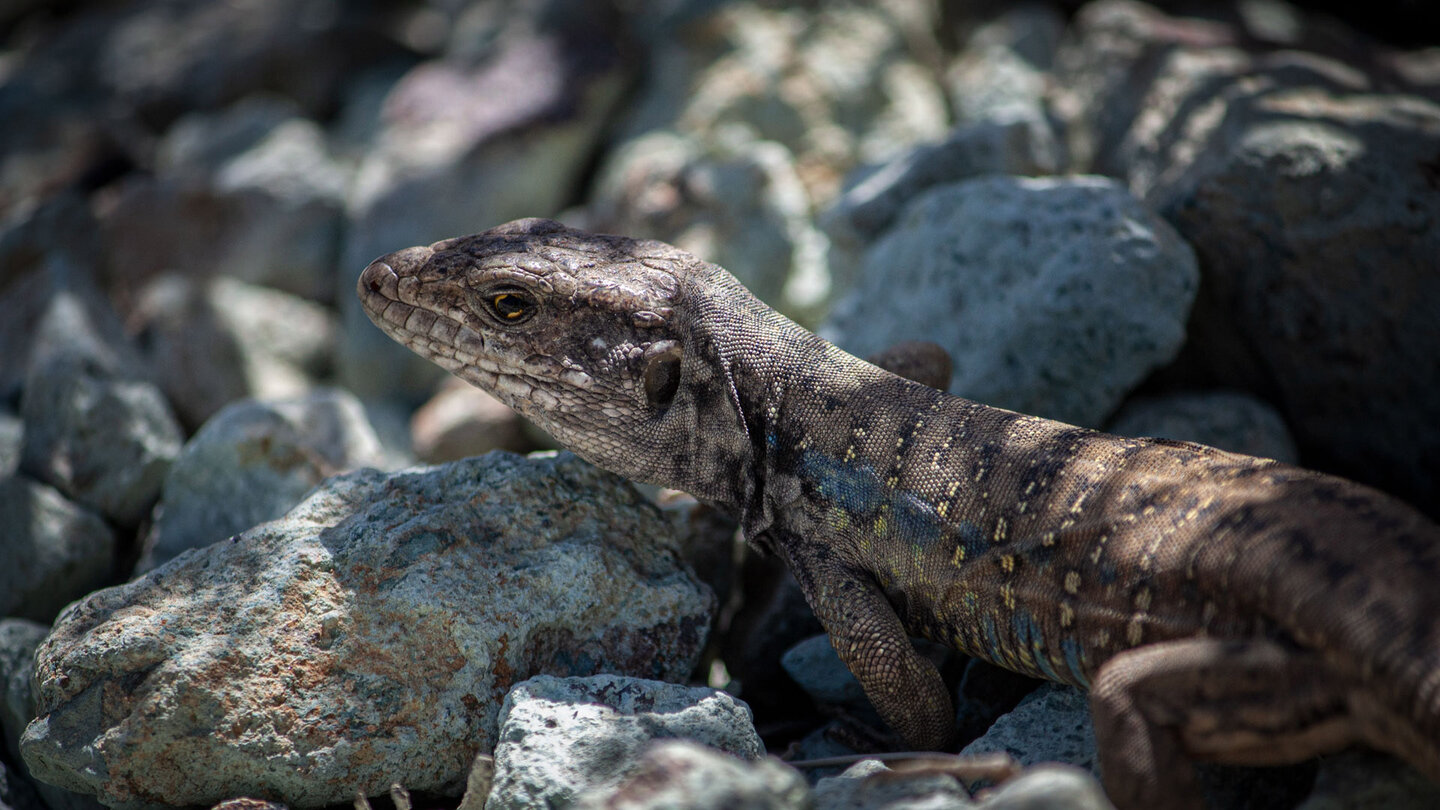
<point x="904" y="686"/>
<point x="1159" y="706"/>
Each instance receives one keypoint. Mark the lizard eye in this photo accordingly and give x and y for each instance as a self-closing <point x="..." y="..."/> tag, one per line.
<point x="511" y="307"/>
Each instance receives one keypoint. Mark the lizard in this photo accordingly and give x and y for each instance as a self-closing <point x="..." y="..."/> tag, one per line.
<point x="1217" y="607"/>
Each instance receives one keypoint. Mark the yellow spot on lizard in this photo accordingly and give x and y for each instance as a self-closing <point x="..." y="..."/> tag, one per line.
<point x="1072" y="582"/>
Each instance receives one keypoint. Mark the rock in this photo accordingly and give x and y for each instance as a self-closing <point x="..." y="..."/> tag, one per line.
<point x="1303" y="182"/>
<point x="12" y="438"/>
<point x="1048" y="787"/>
<point x="1225" y="419"/>
<point x="465" y="144"/>
<point x="838" y="85"/>
<point x="49" y="259"/>
<point x="739" y="204"/>
<point x="986" y="692"/>
<point x="562" y="736"/>
<point x="253" y="462"/>
<point x="366" y="638"/>
<point x="462" y="420"/>
<point x="18" y="640"/>
<point x="877" y="195"/>
<point x="249" y="193"/>
<point x="1051" y="725"/>
<point x="679" y="773"/>
<point x="211" y="341"/>
<point x="1054" y="297"/>
<point x="870" y="785"/>
<point x="1002" y="70"/>
<point x="54" y="550"/>
<point x="814" y="665"/>
<point x="102" y="439"/>
<point x="196" y="55"/>
<point x="1319" y="239"/>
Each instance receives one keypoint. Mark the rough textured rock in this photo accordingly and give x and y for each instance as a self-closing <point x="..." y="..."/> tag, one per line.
<point x="1316" y="213"/>
<point x="678" y="773"/>
<point x="210" y="341"/>
<point x="877" y="195"/>
<point x="102" y="439"/>
<point x="18" y="640"/>
<point x="1051" y="725"/>
<point x="53" y="550"/>
<point x="1053" y="296"/>
<point x="1307" y="185"/>
<point x="254" y="461"/>
<point x="366" y="638"/>
<point x="467" y="143"/>
<point x="462" y="420"/>
<point x="1228" y="420"/>
<point x="561" y="736"/>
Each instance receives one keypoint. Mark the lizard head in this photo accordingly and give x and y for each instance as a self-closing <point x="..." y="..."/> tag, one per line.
<point x="598" y="339"/>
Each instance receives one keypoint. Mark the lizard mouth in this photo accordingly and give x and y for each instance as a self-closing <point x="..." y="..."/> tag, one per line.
<point x="390" y="302"/>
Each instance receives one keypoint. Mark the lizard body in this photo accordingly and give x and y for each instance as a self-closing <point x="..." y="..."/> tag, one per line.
<point x="1217" y="606"/>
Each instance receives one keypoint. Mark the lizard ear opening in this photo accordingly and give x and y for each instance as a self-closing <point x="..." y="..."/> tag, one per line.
<point x="662" y="373"/>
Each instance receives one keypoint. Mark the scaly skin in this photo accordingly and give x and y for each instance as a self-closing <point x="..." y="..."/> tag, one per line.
<point x="1219" y="607"/>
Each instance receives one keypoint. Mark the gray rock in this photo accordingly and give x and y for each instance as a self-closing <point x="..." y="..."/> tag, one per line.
<point x="814" y="664"/>
<point x="12" y="438"/>
<point x="366" y="638"/>
<point x="838" y="85"/>
<point x="561" y="736"/>
<point x="738" y="202"/>
<point x="1294" y="175"/>
<point x="52" y="550"/>
<point x="103" y="439"/>
<point x="252" y="192"/>
<point x="1319" y="238"/>
<point x="1228" y="420"/>
<point x="253" y="462"/>
<point x="878" y="194"/>
<point x="211" y="341"/>
<point x="1051" y="725"/>
<point x="679" y="773"/>
<point x="1054" y="297"/>
<point x="18" y="640"/>
<point x="49" y="260"/>
<point x="1002" y="71"/>
<point x="463" y="145"/>
<point x="871" y="785"/>
<point x="1048" y="787"/>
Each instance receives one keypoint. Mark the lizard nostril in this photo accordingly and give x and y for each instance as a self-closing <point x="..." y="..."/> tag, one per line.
<point x="378" y="276"/>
